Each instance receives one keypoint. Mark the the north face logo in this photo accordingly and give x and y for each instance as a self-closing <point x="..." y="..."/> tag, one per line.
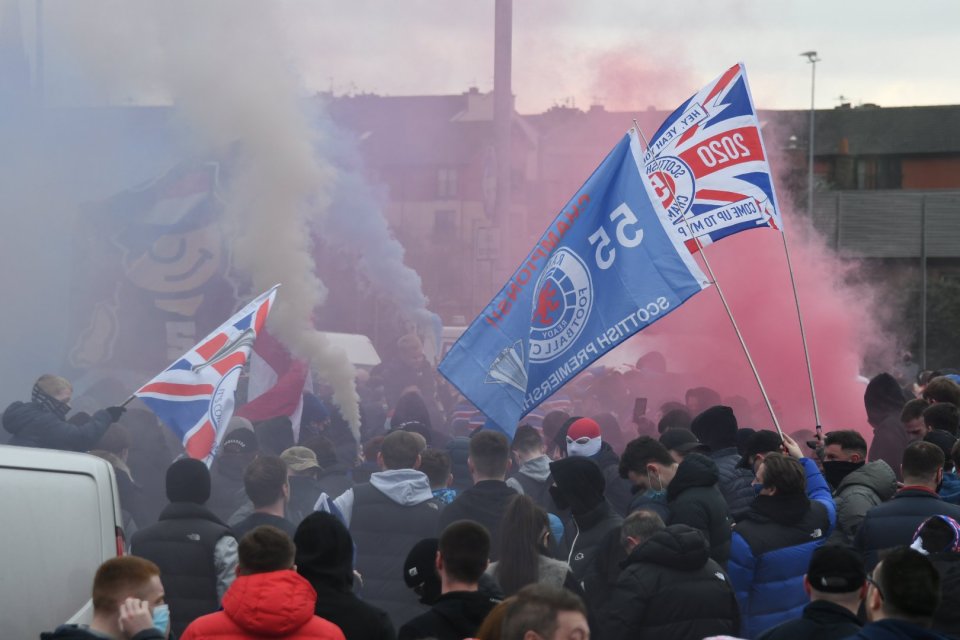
<point x="579" y="556"/>
<point x="817" y="533"/>
<point x="195" y="537"/>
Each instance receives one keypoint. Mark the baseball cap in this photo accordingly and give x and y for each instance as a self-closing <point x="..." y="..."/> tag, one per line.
<point x="240" y="441"/>
<point x="420" y="571"/>
<point x="763" y="441"/>
<point x="682" y="441"/>
<point x="300" y="459"/>
<point x="836" y="568"/>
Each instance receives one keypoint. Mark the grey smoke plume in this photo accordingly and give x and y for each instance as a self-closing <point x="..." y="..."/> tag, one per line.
<point x="228" y="79"/>
<point x="358" y="221"/>
<point x="221" y="64"/>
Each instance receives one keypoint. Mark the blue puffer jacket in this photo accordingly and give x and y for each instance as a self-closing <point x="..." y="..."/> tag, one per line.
<point x="770" y="551"/>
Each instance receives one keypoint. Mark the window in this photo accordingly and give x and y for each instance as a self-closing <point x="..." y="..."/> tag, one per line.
<point x="447" y="183"/>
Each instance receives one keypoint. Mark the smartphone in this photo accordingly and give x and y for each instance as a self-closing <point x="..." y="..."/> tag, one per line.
<point x="639" y="409"/>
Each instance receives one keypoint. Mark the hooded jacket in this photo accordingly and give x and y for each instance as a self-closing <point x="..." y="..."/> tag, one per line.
<point x="670" y="588"/>
<point x="485" y="502"/>
<point x="325" y="559"/>
<point x="386" y="517"/>
<point x="883" y="400"/>
<point x="33" y="425"/>
<point x="695" y="500"/>
<point x="533" y="479"/>
<point x="454" y="616"/>
<point x="863" y="489"/>
<point x="821" y="620"/>
<point x="895" y="522"/>
<point x="771" y="548"/>
<point x="277" y="604"/>
<point x="579" y="486"/>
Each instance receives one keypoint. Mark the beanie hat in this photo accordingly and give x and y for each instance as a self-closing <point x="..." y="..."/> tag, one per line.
<point x="188" y="480"/>
<point x="716" y="427"/>
<point x="313" y="410"/>
<point x="324" y="550"/>
<point x="836" y="568"/>
<point x="583" y="438"/>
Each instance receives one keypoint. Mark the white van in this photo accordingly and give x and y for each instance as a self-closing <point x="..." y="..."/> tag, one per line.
<point x="60" y="520"/>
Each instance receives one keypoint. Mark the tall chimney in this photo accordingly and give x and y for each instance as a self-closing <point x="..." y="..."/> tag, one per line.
<point x="502" y="116"/>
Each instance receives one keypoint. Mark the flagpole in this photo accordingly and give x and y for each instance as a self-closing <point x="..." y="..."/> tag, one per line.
<point x="803" y="338"/>
<point x="723" y="298"/>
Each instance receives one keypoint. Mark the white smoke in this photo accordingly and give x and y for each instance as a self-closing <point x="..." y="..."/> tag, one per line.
<point x="221" y="63"/>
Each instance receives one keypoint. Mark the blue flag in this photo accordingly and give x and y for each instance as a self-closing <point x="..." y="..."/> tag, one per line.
<point x="605" y="269"/>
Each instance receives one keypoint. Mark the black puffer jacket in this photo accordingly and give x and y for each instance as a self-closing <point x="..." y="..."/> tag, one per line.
<point x="734" y="481"/>
<point x="584" y="536"/>
<point x="695" y="500"/>
<point x="33" y="425"/>
<point x="670" y="588"/>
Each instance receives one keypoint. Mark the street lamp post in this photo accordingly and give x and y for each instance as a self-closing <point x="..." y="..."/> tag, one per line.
<point x="812" y="58"/>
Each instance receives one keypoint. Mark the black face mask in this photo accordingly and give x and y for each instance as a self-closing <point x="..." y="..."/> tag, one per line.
<point x="558" y="498"/>
<point x="836" y="470"/>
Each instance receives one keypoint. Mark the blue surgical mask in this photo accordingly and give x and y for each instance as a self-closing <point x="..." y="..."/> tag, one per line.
<point x="161" y="618"/>
<point x="757" y="488"/>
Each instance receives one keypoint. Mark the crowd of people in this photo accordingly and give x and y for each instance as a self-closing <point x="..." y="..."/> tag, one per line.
<point x="590" y="521"/>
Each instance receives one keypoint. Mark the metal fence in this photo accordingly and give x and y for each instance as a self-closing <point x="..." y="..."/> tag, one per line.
<point x="893" y="224"/>
<point x="890" y="224"/>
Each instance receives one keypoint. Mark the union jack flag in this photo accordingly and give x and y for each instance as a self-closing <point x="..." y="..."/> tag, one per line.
<point x="708" y="167"/>
<point x="194" y="396"/>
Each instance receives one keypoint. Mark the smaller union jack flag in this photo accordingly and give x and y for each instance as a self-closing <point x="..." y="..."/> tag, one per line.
<point x="194" y="396"/>
<point x="708" y="166"/>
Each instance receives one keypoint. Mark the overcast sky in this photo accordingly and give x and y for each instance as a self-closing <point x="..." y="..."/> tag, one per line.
<point x="634" y="53"/>
<point x="625" y="54"/>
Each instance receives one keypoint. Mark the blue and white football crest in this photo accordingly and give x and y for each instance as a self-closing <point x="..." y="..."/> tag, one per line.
<point x="605" y="268"/>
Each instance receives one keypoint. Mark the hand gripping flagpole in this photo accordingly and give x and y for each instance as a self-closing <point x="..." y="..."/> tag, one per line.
<point x="723" y="298"/>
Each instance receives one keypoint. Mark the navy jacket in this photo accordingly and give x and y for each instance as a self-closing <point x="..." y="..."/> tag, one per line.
<point x="695" y="500"/>
<point x="735" y="481"/>
<point x="896" y="630"/>
<point x="821" y="620"/>
<point x="893" y="523"/>
<point x="32" y="425"/>
<point x="770" y="551"/>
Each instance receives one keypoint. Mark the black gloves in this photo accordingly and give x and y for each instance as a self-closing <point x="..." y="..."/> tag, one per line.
<point x="115" y="412"/>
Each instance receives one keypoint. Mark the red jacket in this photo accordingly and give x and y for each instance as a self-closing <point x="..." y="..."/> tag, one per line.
<point x="278" y="604"/>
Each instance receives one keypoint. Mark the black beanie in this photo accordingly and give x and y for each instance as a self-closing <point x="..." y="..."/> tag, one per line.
<point x="716" y="427"/>
<point x="325" y="551"/>
<point x="188" y="480"/>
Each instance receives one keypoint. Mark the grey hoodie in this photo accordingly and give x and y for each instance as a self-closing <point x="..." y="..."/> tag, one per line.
<point x="865" y="488"/>
<point x="538" y="469"/>
<point x="406" y="487"/>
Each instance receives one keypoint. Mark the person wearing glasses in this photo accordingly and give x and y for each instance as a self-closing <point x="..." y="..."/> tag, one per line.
<point x="903" y="594"/>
